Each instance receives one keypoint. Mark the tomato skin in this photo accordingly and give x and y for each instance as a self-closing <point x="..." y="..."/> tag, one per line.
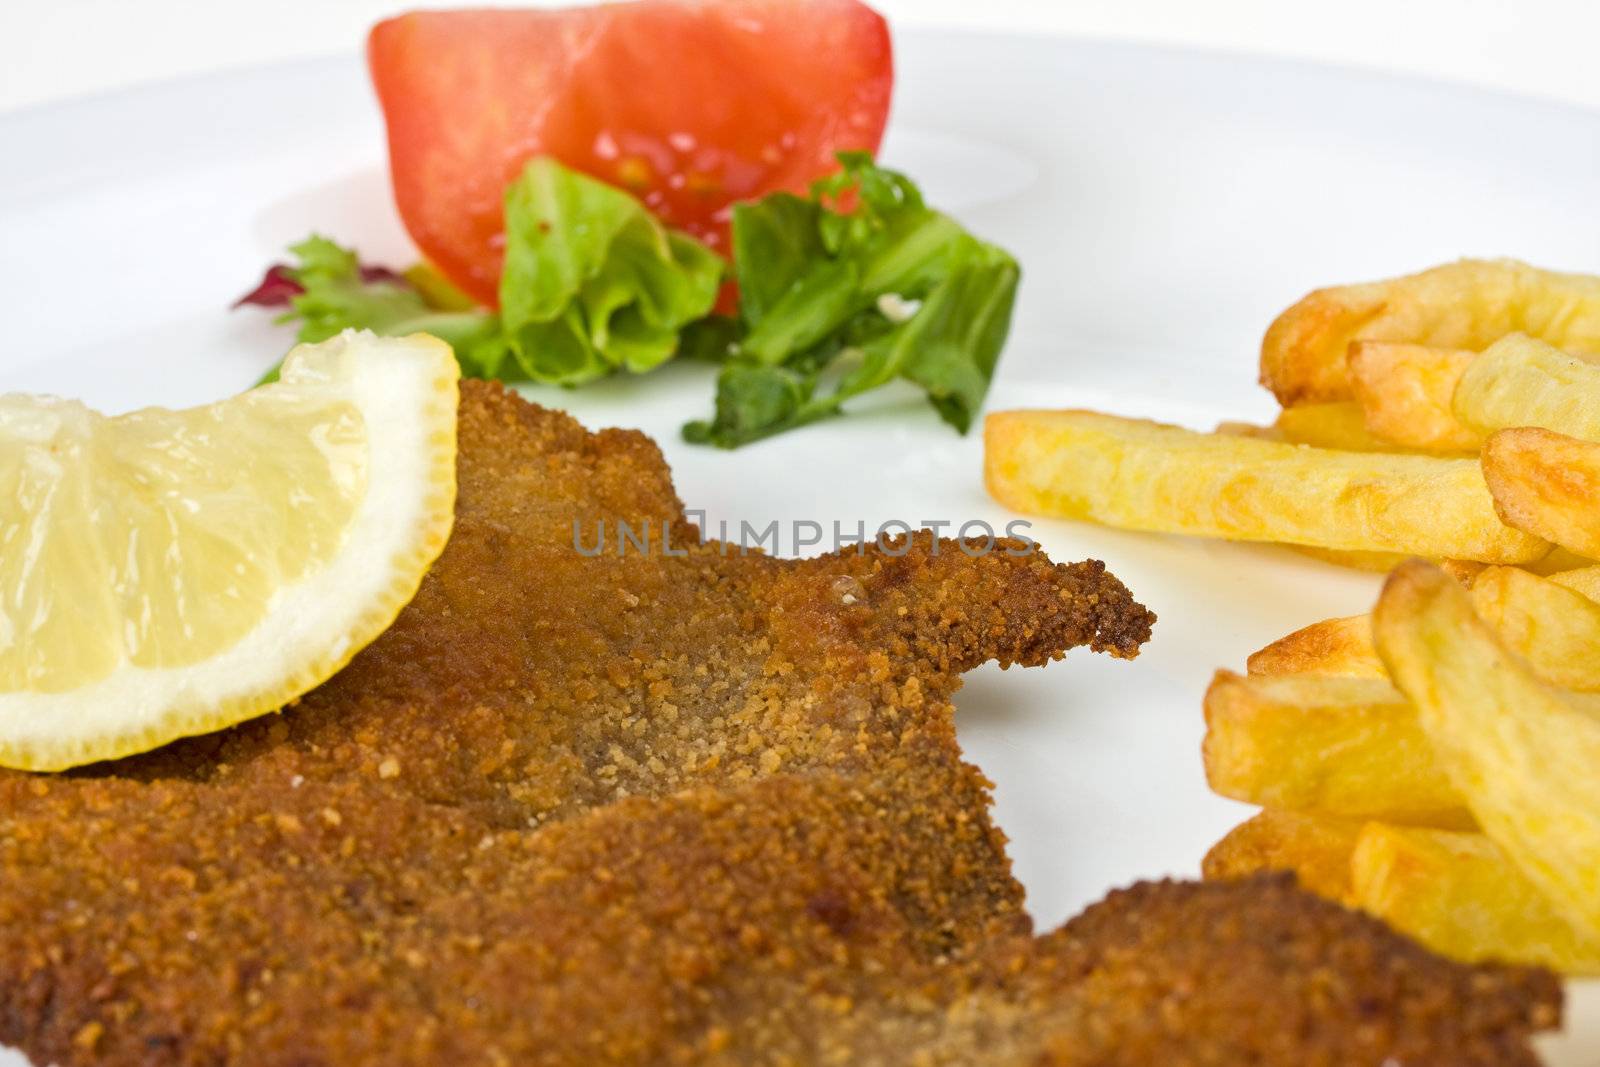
<point x="690" y="104"/>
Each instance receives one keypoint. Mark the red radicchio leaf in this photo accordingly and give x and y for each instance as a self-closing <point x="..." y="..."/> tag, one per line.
<point x="278" y="286"/>
<point x="382" y="274"/>
<point x="275" y="290"/>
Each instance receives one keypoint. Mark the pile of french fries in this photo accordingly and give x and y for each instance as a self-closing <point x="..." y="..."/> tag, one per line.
<point x="1435" y="763"/>
<point x="1398" y="437"/>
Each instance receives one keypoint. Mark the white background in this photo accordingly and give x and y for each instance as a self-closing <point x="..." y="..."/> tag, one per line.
<point x="55" y="49"/>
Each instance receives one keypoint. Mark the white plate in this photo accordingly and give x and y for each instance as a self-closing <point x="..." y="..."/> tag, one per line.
<point x="1164" y="204"/>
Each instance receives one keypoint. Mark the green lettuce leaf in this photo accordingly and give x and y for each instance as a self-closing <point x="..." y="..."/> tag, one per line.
<point x="593" y="282"/>
<point x="336" y="295"/>
<point x="836" y="302"/>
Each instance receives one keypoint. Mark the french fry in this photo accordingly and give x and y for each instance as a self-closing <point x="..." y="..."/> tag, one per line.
<point x="1249" y="429"/>
<point x="1522" y="755"/>
<point x="1462" y="570"/>
<point x="1469" y="304"/>
<point x="1323" y="424"/>
<point x="1340" y="426"/>
<point x="1459" y="895"/>
<point x="1147" y="476"/>
<point x="1350" y="747"/>
<point x="1520" y="381"/>
<point x="1585" y="580"/>
<point x="1559" y="561"/>
<point x="1316" y="848"/>
<point x="1316" y="727"/>
<point x="1556" y="629"/>
<point x="1405" y="392"/>
<point x="1371" y="562"/>
<point x="1553" y="623"/>
<point x="1546" y="484"/>
<point x="1336" y="647"/>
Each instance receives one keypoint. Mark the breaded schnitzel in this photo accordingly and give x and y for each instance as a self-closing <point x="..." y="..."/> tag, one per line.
<point x="660" y="809"/>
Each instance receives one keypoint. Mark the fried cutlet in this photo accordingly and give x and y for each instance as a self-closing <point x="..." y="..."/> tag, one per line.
<point x="652" y="808"/>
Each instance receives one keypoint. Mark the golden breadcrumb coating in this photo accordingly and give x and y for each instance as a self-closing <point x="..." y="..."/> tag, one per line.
<point x="661" y="809"/>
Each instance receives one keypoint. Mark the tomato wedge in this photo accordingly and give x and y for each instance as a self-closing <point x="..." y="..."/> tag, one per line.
<point x="690" y="104"/>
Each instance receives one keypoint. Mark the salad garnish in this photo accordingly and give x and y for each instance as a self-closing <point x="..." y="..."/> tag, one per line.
<point x="835" y="303"/>
<point x="840" y="292"/>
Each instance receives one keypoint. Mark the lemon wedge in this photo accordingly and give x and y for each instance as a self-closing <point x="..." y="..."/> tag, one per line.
<point x="168" y="573"/>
